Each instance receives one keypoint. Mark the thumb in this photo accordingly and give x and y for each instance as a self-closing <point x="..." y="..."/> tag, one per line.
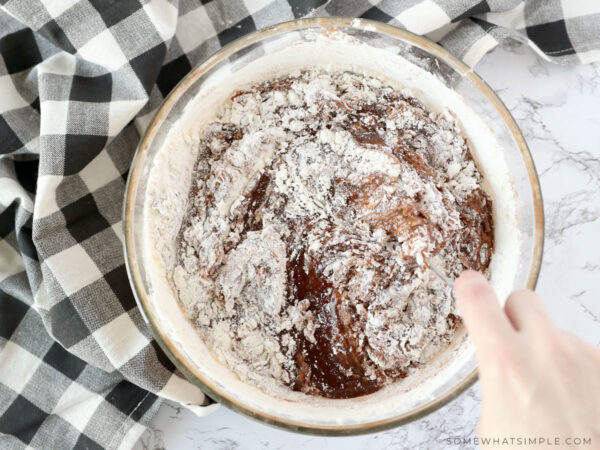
<point x="481" y="312"/>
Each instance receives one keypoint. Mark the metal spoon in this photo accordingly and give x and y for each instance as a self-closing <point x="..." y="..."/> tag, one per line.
<point x="440" y="274"/>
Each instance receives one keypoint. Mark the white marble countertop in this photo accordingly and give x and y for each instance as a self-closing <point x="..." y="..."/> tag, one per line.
<point x="558" y="110"/>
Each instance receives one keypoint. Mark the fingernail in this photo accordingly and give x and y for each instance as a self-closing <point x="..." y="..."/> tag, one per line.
<point x="469" y="277"/>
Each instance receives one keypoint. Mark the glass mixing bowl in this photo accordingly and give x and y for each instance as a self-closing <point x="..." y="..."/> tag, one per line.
<point x="452" y="73"/>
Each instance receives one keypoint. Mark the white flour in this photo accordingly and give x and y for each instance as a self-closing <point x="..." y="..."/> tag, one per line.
<point x="169" y="179"/>
<point x="358" y="181"/>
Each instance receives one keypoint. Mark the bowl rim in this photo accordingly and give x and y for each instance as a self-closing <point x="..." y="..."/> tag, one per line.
<point x="133" y="270"/>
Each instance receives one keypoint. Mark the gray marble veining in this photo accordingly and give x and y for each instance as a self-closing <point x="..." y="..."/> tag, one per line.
<point x="558" y="110"/>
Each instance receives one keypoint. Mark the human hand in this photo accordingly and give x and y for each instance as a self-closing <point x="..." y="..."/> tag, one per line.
<point x="537" y="381"/>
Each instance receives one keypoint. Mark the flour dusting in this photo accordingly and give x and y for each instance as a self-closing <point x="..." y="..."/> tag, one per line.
<point x="317" y="196"/>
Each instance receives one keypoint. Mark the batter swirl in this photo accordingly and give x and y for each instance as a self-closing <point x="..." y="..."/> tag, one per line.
<point x="315" y="197"/>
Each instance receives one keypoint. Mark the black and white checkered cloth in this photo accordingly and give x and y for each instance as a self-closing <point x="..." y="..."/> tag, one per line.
<point x="79" y="80"/>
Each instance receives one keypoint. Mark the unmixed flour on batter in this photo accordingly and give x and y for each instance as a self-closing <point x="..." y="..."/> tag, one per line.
<point x="315" y="199"/>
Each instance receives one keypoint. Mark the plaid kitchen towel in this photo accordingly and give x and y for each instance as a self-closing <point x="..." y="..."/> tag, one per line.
<point x="79" y="79"/>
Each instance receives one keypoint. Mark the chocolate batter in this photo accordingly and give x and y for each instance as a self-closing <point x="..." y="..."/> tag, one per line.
<point x="355" y="280"/>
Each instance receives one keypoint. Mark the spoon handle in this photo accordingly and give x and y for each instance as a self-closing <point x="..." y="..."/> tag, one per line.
<point x="441" y="275"/>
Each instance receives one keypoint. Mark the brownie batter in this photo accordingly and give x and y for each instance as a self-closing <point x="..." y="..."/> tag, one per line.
<point x="315" y="198"/>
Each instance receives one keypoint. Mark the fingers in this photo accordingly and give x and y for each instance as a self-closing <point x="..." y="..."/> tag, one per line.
<point x="525" y="309"/>
<point x="483" y="316"/>
<point x="591" y="350"/>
